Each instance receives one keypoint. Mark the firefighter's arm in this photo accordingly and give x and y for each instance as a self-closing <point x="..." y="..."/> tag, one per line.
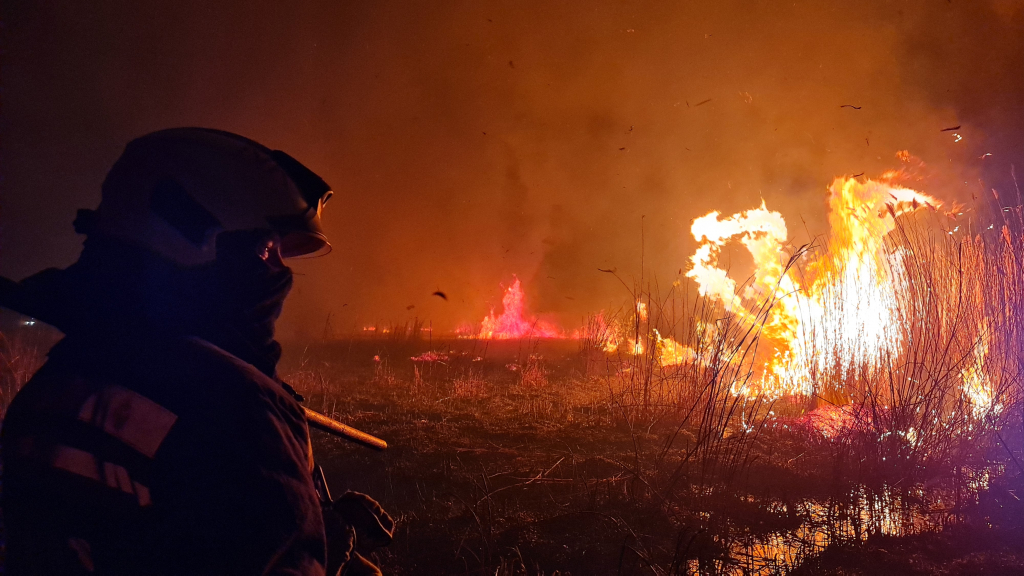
<point x="245" y="501"/>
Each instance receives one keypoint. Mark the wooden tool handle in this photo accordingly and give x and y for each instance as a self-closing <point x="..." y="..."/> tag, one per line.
<point x="321" y="422"/>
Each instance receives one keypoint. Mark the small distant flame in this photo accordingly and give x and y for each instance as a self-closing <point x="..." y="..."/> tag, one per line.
<point x="513" y="322"/>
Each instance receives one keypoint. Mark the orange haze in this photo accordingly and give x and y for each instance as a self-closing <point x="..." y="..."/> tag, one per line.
<point x="473" y="141"/>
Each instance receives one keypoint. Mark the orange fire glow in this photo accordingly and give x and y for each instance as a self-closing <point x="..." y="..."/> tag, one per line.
<point x="603" y="335"/>
<point x="672" y="353"/>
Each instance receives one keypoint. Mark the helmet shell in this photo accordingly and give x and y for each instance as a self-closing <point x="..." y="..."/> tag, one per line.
<point x="175" y="190"/>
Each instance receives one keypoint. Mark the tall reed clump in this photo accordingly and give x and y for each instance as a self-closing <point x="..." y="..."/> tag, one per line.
<point x="684" y="366"/>
<point x="937" y="401"/>
<point x="678" y="369"/>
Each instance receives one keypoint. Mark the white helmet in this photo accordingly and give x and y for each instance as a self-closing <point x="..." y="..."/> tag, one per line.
<point x="174" y="190"/>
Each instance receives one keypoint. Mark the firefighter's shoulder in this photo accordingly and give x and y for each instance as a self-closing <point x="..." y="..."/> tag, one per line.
<point x="220" y="386"/>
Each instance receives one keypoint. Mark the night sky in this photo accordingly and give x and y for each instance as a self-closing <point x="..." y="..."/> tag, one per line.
<point x="470" y="141"/>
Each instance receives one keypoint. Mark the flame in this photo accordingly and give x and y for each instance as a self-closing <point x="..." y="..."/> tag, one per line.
<point x="672" y="353"/>
<point x="848" y="307"/>
<point x="977" y="387"/>
<point x="636" y="346"/>
<point x="512" y="323"/>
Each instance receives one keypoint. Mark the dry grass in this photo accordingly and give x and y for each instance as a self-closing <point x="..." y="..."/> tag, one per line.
<point x="526" y="457"/>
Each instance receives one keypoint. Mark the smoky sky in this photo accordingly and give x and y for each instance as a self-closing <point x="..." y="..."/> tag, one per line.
<point x="472" y="141"/>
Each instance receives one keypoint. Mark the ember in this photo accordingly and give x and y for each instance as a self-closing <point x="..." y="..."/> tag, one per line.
<point x="430" y="356"/>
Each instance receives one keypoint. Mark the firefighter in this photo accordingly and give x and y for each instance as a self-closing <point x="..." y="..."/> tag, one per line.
<point x="158" y="438"/>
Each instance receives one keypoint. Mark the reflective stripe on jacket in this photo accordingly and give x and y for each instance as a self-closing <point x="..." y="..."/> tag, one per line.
<point x="157" y="457"/>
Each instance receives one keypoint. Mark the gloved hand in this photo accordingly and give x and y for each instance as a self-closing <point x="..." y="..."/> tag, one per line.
<point x="341" y="539"/>
<point x="360" y="526"/>
<point x="374" y="527"/>
<point x="359" y="566"/>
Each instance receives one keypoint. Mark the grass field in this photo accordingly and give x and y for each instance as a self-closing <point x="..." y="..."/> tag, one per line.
<point x="528" y="457"/>
<point x="521" y="457"/>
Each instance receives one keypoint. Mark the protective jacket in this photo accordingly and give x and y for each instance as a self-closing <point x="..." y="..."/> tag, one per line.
<point x="157" y="457"/>
<point x="143" y="450"/>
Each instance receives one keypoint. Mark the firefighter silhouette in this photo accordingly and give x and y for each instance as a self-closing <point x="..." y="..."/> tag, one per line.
<point x="158" y="438"/>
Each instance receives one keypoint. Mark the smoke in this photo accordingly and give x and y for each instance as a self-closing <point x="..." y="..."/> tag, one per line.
<point x="969" y="58"/>
<point x="471" y="141"/>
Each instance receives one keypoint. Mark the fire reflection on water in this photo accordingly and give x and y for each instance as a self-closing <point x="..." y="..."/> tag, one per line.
<point x="862" y="514"/>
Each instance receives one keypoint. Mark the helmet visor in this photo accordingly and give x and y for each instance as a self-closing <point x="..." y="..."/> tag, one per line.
<point x="304" y="244"/>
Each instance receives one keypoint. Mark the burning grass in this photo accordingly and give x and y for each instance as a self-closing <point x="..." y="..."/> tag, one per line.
<point x="663" y="439"/>
<point x="577" y="473"/>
